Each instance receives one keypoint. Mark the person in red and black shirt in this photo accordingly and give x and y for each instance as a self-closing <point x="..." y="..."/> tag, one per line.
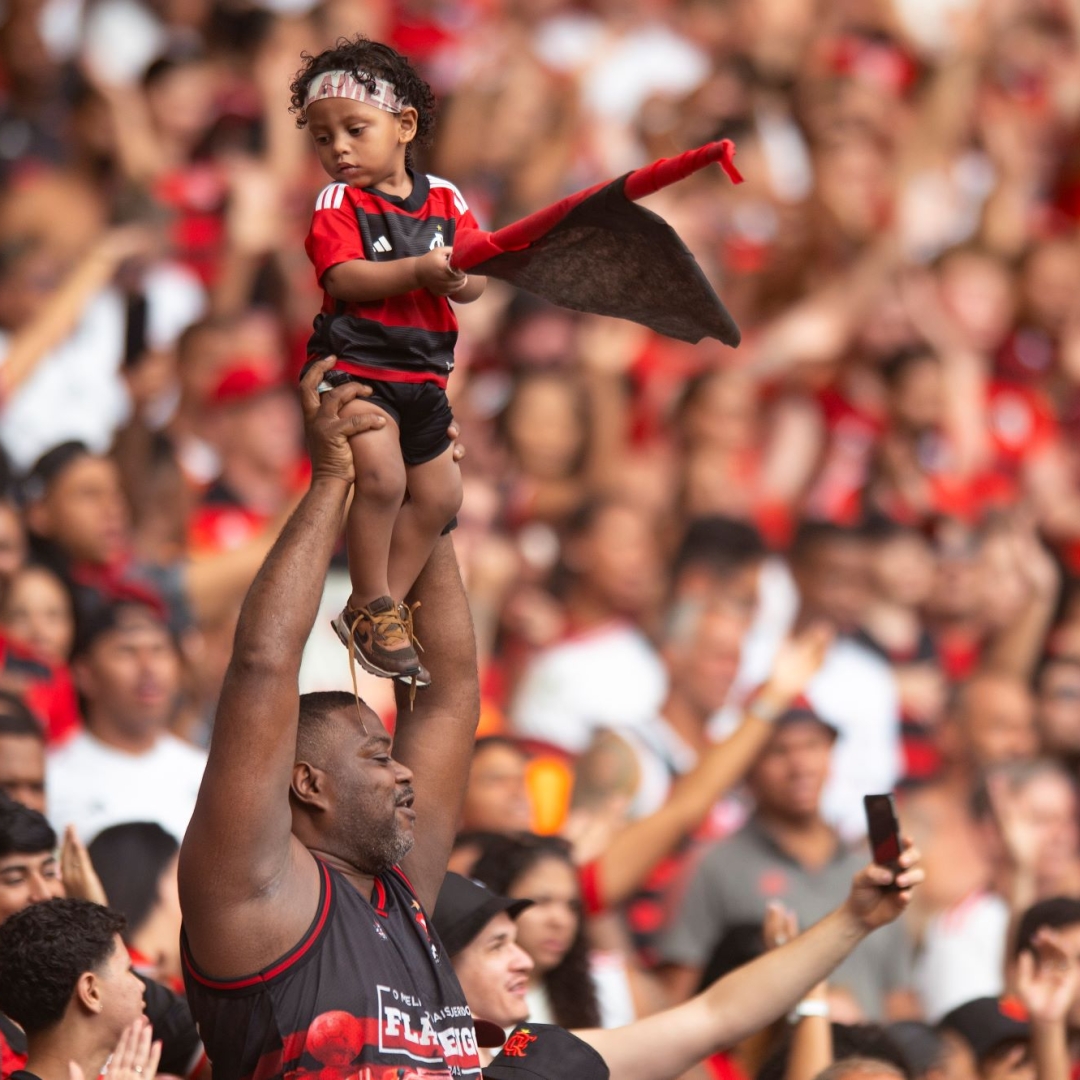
<point x="303" y="886"/>
<point x="381" y="241"/>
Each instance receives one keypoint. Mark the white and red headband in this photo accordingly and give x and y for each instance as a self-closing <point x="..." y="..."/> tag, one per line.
<point x="343" y="84"/>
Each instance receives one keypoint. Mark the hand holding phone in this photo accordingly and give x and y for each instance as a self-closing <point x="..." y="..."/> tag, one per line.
<point x="883" y="828"/>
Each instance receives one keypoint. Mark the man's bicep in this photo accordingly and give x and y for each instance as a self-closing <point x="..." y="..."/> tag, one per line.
<point x="239" y="834"/>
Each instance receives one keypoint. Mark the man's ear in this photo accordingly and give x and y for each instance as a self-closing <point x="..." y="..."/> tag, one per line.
<point x="309" y="785"/>
<point x="88" y="992"/>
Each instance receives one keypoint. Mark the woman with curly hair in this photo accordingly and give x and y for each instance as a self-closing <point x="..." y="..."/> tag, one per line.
<point x="562" y="989"/>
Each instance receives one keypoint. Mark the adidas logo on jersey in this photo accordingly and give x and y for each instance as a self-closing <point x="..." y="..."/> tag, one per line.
<point x="382" y="244"/>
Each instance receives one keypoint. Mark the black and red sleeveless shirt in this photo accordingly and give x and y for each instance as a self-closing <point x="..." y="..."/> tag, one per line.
<point x="367" y="994"/>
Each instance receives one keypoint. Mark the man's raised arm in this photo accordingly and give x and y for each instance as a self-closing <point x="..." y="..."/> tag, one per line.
<point x="248" y="889"/>
<point x="435" y="738"/>
<point x="666" y="1044"/>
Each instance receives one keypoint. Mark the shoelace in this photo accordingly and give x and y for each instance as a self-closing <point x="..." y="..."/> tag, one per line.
<point x="406" y="611"/>
<point x="403" y="617"/>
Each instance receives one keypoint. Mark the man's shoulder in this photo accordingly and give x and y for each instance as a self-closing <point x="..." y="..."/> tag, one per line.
<point x="852" y="674"/>
<point x="71" y="751"/>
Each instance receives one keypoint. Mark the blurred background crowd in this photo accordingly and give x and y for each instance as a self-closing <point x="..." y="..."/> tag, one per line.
<point x="871" y="508"/>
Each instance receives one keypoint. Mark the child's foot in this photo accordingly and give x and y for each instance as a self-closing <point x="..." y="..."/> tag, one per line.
<point x="380" y="639"/>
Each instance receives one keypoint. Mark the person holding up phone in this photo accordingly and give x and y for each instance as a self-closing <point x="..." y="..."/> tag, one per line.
<point x="787" y="852"/>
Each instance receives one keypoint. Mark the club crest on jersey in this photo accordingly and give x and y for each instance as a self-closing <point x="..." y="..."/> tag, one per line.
<point x="379" y="930"/>
<point x="437" y="240"/>
<point x="518" y="1043"/>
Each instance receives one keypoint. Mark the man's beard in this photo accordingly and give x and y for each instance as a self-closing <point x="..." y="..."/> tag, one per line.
<point x="376" y="845"/>
<point x="384" y="851"/>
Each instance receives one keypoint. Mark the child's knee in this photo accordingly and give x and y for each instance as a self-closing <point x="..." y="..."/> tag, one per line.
<point x="454" y="492"/>
<point x="380" y="482"/>
<point x="438" y="502"/>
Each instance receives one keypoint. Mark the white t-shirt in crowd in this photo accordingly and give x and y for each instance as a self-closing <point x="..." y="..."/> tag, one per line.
<point x="607" y="677"/>
<point x="93" y="786"/>
<point x="613" y="993"/>
<point x="963" y="954"/>
<point x="77" y="391"/>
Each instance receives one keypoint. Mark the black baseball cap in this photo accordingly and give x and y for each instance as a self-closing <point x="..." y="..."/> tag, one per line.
<point x="987" y="1023"/>
<point x="465" y="907"/>
<point x="546" y="1052"/>
<point x="800" y="711"/>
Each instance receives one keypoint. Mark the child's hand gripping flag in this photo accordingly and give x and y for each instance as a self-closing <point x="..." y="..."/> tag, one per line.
<point x="597" y="251"/>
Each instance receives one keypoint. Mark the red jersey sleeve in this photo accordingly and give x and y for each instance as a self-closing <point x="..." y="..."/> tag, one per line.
<point x="334" y="236"/>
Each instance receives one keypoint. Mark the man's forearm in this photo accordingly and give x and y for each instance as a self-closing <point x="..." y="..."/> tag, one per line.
<point x="1050" y="1045"/>
<point x="667" y="1044"/>
<point x="283" y="601"/>
<point x="753" y="996"/>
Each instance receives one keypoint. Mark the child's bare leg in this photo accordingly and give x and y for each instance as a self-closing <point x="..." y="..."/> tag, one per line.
<point x="434" y="498"/>
<point x="378" y="493"/>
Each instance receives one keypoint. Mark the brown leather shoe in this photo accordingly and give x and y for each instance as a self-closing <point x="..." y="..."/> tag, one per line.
<point x="380" y="639"/>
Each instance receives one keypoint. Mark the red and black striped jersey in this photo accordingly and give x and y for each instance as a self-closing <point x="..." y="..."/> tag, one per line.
<point x="405" y="338"/>
<point x="367" y="994"/>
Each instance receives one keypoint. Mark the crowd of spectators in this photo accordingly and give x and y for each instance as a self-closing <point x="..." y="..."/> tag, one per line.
<point x="871" y="508"/>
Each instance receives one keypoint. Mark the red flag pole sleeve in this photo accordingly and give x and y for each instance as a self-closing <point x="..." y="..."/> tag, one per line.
<point x="474" y="246"/>
<point x="645" y="181"/>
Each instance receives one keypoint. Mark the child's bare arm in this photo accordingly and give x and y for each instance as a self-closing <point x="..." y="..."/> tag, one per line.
<point x="472" y="290"/>
<point x="359" y="280"/>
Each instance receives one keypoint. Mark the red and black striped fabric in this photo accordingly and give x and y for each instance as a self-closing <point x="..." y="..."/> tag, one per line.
<point x="367" y="992"/>
<point x="598" y="252"/>
<point x="406" y="338"/>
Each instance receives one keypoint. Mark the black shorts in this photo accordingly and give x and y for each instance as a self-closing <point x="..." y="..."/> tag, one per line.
<point x="420" y="410"/>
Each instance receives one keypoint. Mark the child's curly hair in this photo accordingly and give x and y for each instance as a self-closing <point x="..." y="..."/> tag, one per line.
<point x="364" y="58"/>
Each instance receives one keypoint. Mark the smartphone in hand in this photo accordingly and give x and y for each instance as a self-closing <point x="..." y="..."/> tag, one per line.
<point x="883" y="828"/>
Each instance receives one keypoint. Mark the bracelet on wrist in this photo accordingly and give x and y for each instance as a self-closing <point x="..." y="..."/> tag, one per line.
<point x="808" y="1007"/>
